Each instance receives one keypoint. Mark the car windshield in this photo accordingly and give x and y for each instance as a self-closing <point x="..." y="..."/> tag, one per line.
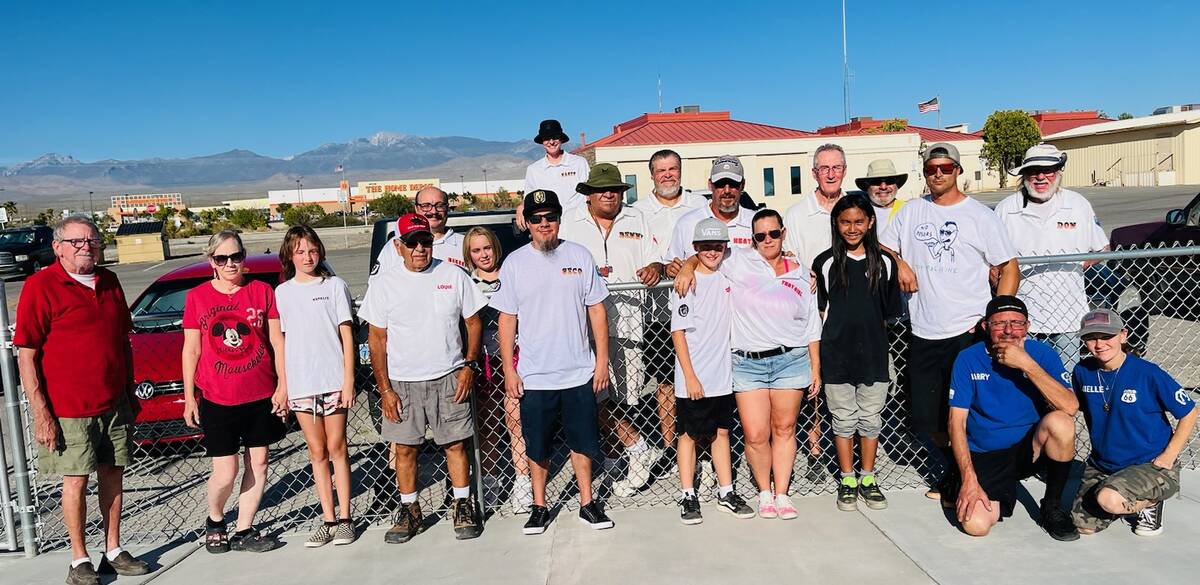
<point x="160" y="308"/>
<point x="17" y="237"/>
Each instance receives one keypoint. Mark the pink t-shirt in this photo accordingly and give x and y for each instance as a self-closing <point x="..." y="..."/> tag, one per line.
<point x="237" y="364"/>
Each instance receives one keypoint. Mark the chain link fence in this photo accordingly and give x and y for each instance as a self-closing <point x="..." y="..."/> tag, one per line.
<point x="1157" y="292"/>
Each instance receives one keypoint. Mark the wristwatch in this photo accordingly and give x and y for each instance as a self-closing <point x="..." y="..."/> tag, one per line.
<point x="475" y="367"/>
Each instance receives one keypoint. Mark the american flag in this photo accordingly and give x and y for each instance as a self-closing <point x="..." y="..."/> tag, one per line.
<point x="929" y="106"/>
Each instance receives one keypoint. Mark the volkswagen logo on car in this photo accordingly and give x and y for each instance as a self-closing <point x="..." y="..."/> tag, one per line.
<point x="144" y="391"/>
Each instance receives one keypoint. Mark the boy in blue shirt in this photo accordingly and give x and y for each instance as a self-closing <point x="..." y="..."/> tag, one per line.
<point x="1010" y="416"/>
<point x="1134" y="464"/>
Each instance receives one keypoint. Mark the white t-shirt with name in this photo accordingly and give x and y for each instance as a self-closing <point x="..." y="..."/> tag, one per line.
<point x="310" y="313"/>
<point x="1066" y="224"/>
<point x="662" y="219"/>
<point x="448" y="248"/>
<point x="421" y="312"/>
<point x="951" y="248"/>
<point x="563" y="178"/>
<point x="770" y="311"/>
<point x="740" y="232"/>
<point x="705" y="317"/>
<point x="550" y="293"/>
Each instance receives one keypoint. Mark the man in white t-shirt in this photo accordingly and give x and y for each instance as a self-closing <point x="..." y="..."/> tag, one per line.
<point x="881" y="184"/>
<point x="726" y="180"/>
<point x="433" y="204"/>
<point x="554" y="292"/>
<point x="809" y="229"/>
<point x="619" y="240"/>
<point x="953" y="243"/>
<point x="424" y="371"/>
<point x="558" y="172"/>
<point x="1044" y="219"/>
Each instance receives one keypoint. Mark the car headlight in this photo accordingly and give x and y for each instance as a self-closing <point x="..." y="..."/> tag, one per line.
<point x="21" y="257"/>
<point x="144" y="391"/>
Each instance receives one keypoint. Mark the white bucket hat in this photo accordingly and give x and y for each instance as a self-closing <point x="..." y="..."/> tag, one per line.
<point x="1041" y="156"/>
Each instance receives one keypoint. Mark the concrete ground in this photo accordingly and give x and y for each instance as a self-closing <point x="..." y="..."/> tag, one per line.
<point x="910" y="542"/>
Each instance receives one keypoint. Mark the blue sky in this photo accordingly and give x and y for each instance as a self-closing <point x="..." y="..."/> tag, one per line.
<point x="171" y="78"/>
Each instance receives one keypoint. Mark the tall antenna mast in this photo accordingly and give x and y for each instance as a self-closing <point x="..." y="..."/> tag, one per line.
<point x="660" y="93"/>
<point x="845" y="68"/>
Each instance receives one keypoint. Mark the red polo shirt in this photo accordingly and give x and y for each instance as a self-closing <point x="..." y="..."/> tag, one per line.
<point x="81" y="336"/>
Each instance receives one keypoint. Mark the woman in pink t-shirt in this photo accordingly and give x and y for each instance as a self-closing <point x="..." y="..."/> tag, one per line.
<point x="231" y="335"/>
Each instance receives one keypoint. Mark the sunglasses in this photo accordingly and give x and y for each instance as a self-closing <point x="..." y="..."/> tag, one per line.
<point x="223" y="259"/>
<point x="710" y="246"/>
<point x="537" y="219"/>
<point x="412" y="243"/>
<point x="774" y="234"/>
<point x="946" y="168"/>
<point x="727" y="183"/>
<point x="881" y="181"/>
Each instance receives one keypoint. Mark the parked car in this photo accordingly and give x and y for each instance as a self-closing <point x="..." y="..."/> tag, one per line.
<point x="26" y="250"/>
<point x="1169" y="285"/>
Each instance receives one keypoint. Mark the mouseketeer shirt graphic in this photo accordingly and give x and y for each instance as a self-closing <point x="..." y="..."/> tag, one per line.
<point x="236" y="361"/>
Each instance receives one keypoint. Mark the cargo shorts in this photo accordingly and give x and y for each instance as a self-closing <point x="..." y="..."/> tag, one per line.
<point x="857" y="408"/>
<point x="1136" y="482"/>
<point x="429" y="404"/>
<point x="87" y="442"/>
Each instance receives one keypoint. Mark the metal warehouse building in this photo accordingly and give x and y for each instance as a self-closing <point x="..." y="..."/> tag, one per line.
<point x="1154" y="150"/>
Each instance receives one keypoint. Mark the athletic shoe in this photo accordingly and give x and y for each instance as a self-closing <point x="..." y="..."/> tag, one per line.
<point x="322" y="536"/>
<point x="539" y="519"/>
<point x="708" y="479"/>
<point x="787" y="511"/>
<point x="521" y="498"/>
<point x="1057" y="523"/>
<point x="344" y="534"/>
<point x="466" y="523"/>
<point x="1149" y="521"/>
<point x="734" y="504"/>
<point x="593" y="515"/>
<point x="689" y="510"/>
<point x="870" y="493"/>
<point x="946" y="490"/>
<point x="406" y="523"/>
<point x="847" y="494"/>
<point x="640" y="466"/>
<point x="253" y="541"/>
<point x="84" y="574"/>
<point x="125" y="564"/>
<point x="766" y="506"/>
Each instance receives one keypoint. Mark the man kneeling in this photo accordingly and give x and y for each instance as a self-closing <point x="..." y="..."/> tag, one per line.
<point x="1010" y="416"/>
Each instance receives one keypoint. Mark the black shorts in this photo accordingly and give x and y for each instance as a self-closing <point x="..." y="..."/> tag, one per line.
<point x="700" y="419"/>
<point x="573" y="408"/>
<point x="228" y="428"/>
<point x="999" y="471"/>
<point x="659" y="353"/>
<point x="929" y="364"/>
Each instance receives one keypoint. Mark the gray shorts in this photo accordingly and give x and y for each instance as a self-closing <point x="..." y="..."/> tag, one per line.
<point x="856" y="408"/>
<point x="429" y="404"/>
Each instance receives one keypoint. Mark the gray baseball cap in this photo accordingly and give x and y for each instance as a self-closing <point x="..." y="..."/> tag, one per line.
<point x="1101" y="322"/>
<point x="711" y="229"/>
<point x="941" y="150"/>
<point x="727" y="167"/>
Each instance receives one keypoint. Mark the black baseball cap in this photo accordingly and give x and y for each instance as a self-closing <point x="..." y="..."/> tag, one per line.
<point x="1004" y="303"/>
<point x="541" y="200"/>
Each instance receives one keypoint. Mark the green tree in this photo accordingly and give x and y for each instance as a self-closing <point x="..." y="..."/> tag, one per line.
<point x="307" y="214"/>
<point x="1007" y="134"/>
<point x="11" y="208"/>
<point x="283" y="207"/>
<point x="391" y="205"/>
<point x="164" y="213"/>
<point x="248" y="219"/>
<point x="1124" y="116"/>
<point x="503" y="198"/>
<point x="890" y="126"/>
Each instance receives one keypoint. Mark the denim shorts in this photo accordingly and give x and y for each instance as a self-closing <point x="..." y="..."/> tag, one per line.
<point x="790" y="370"/>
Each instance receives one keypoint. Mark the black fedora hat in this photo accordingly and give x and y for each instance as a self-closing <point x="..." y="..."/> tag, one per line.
<point x="549" y="130"/>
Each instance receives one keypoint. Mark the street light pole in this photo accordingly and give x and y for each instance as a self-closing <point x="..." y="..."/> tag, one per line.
<point x="91" y="208"/>
<point x="299" y="191"/>
<point x="485" y="183"/>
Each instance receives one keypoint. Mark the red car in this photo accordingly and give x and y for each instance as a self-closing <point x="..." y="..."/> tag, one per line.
<point x="157" y="341"/>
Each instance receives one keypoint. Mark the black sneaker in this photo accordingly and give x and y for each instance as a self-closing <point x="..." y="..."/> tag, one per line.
<point x="252" y="541"/>
<point x="1149" y="521"/>
<point x="466" y="523"/>
<point x="84" y="574"/>
<point x="734" y="504"/>
<point x="847" y="494"/>
<point x="689" y="510"/>
<point x="593" y="515"/>
<point x="539" y="519"/>
<point x="1057" y="523"/>
<point x="870" y="493"/>
<point x="946" y="490"/>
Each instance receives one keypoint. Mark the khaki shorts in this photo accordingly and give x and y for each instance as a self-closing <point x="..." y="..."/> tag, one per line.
<point x="856" y="408"/>
<point x="429" y="404"/>
<point x="1136" y="482"/>
<point x="85" y="443"/>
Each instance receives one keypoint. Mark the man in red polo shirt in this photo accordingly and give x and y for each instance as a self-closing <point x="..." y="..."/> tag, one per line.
<point x="75" y="363"/>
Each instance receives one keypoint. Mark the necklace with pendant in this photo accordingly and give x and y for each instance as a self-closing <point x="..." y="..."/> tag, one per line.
<point x="1104" y="389"/>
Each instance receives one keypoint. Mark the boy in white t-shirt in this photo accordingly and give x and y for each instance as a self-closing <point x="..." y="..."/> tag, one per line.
<point x="700" y="326"/>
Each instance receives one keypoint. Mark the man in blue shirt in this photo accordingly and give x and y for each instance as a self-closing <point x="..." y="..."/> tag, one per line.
<point x="1010" y="416"/>
<point x="1134" y="464"/>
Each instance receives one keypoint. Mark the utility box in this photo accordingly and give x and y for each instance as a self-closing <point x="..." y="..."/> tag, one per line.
<point x="142" y="242"/>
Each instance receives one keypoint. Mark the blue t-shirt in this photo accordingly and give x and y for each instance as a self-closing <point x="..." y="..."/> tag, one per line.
<point x="1003" y="404"/>
<point x="1139" y="395"/>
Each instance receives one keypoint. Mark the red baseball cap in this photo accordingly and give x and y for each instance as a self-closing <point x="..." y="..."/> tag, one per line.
<point x="412" y="223"/>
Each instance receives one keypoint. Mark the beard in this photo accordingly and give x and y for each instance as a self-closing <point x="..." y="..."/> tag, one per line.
<point x="668" y="192"/>
<point x="1042" y="197"/>
<point x="548" y="247"/>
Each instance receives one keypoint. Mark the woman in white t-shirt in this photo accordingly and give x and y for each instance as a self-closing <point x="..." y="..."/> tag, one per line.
<point x="776" y="354"/>
<point x="318" y="348"/>
<point x="481" y="255"/>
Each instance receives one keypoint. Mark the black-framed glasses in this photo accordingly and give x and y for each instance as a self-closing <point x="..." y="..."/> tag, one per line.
<point x="412" y="243"/>
<point x="432" y="206"/>
<point x="223" y="259"/>
<point x="79" y="243"/>
<point x="538" y="218"/>
<point x="774" y="234"/>
<point x="1010" y="324"/>
<point x="877" y="181"/>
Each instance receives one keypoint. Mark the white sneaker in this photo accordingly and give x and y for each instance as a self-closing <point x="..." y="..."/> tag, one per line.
<point x="521" y="497"/>
<point x="640" y="466"/>
<point x="708" y="479"/>
<point x="787" y="510"/>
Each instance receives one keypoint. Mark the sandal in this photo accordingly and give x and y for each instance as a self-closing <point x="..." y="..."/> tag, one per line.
<point x="216" y="539"/>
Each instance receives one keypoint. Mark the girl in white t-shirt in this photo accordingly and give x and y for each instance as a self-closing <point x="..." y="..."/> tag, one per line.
<point x="481" y="255"/>
<point x="314" y="310"/>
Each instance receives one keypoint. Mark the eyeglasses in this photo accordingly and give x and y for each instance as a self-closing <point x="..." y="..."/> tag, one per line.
<point x="1010" y="324"/>
<point x="830" y="169"/>
<point x="710" y="246"/>
<point x="79" y="243"/>
<point x="945" y="168"/>
<point x="412" y="243"/>
<point x="1039" y="171"/>
<point x="881" y="181"/>
<point x="774" y="234"/>
<point x="223" y="259"/>
<point x="432" y="206"/>
<point x="537" y="219"/>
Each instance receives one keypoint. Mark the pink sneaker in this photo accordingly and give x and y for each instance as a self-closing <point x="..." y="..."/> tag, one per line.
<point x="786" y="510"/>
<point x="766" y="506"/>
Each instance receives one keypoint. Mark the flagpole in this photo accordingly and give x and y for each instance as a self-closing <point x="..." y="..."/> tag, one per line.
<point x="939" y="111"/>
<point x="845" y="69"/>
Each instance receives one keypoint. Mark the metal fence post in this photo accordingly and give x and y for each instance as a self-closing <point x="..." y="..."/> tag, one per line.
<point x="12" y="411"/>
<point x="10" y="536"/>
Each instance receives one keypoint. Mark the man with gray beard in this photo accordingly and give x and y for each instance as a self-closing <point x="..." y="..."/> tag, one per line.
<point x="1042" y="218"/>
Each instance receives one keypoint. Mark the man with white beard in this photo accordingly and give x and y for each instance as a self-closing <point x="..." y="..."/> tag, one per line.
<point x="1042" y="218"/>
<point x="881" y="185"/>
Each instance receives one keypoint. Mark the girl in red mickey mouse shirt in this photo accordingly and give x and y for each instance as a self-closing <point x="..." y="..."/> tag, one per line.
<point x="233" y="353"/>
